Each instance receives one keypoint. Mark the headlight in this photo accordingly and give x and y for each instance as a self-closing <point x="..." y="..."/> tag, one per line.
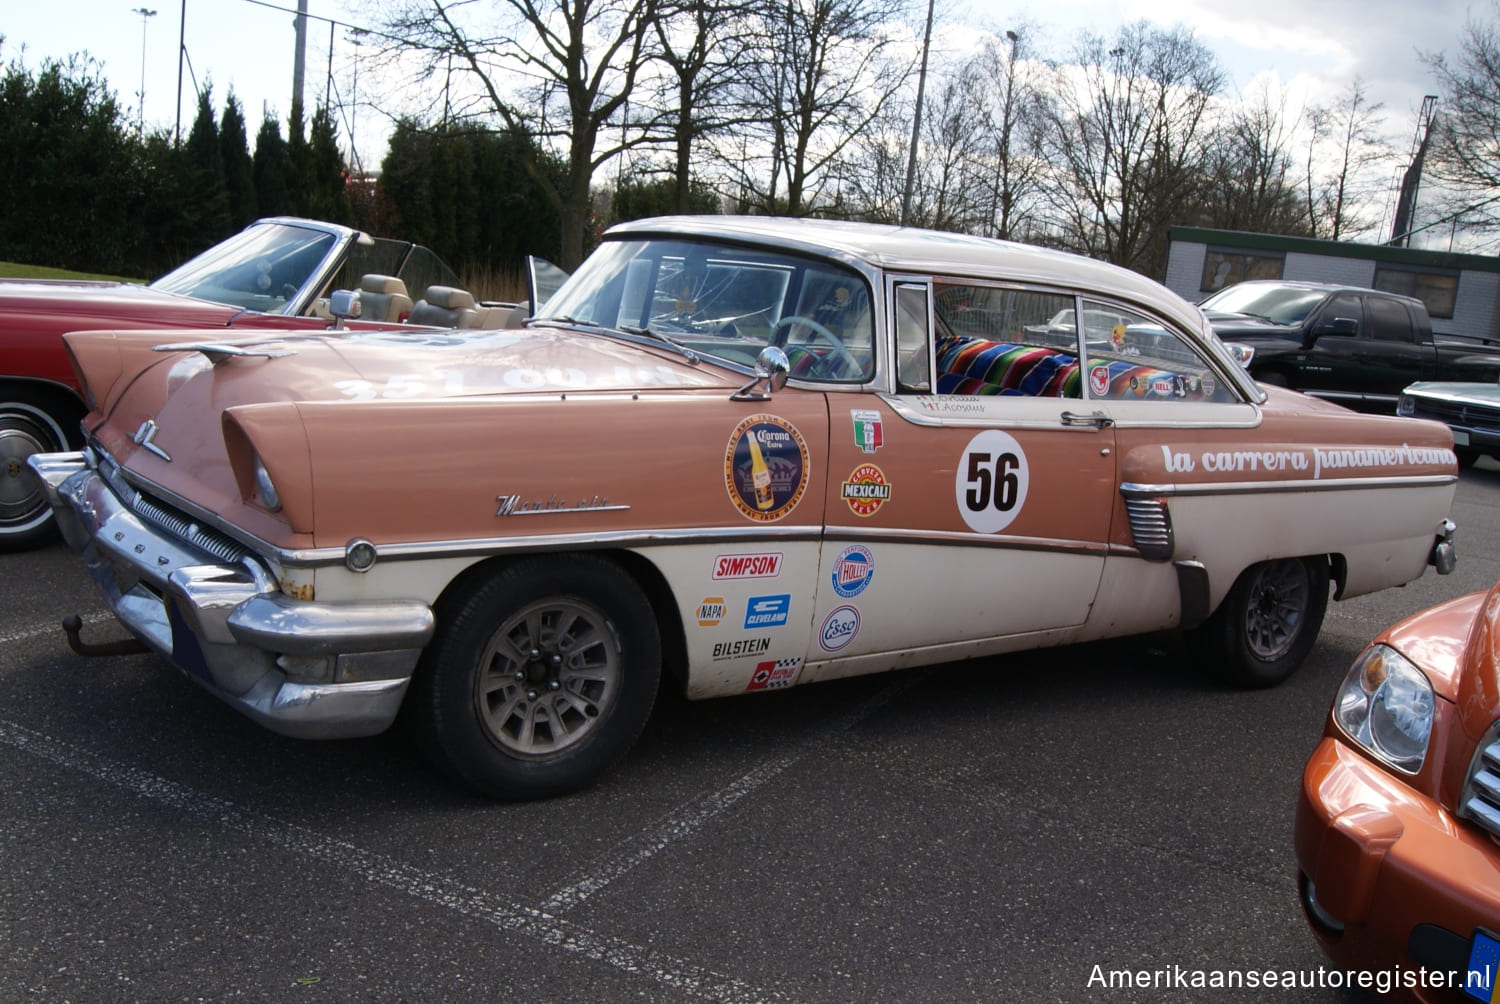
<point x="265" y="488"/>
<point x="1406" y="406"/>
<point x="1385" y="705"/>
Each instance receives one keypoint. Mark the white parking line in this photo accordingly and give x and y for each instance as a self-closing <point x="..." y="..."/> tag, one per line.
<point x="691" y="817"/>
<point x="474" y="903"/>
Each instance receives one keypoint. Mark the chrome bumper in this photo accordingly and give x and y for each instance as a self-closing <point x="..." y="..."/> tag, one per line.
<point x="304" y="669"/>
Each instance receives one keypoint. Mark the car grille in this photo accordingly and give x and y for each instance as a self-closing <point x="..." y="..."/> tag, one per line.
<point x="1454" y="413"/>
<point x="1481" y="795"/>
<point x="187" y="530"/>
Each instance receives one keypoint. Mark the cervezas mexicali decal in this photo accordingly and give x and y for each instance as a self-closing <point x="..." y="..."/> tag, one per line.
<point x="766" y="467"/>
<point x="866" y="490"/>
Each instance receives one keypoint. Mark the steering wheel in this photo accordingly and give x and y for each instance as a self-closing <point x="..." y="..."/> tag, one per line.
<point x="840" y="352"/>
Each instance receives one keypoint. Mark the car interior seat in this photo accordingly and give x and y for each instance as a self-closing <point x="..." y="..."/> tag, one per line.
<point x="383" y="298"/>
<point x="446" y="307"/>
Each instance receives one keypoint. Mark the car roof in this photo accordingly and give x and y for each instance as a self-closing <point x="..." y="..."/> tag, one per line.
<point x="895" y="248"/>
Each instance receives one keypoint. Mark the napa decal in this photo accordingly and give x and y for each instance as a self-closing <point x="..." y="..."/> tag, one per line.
<point x="766" y="467"/>
<point x="869" y="436"/>
<point x="838" y="629"/>
<point x="774" y="675"/>
<point x="866" y="490"/>
<point x="741" y="648"/>
<point x="711" y="611"/>
<point x="853" y="570"/>
<point x="991" y="481"/>
<point x="768" y="611"/>
<point x="766" y="565"/>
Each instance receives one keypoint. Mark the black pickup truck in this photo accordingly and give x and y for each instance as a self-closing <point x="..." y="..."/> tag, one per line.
<point x="1358" y="347"/>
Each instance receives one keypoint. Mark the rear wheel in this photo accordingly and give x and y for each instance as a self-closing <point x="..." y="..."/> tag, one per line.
<point x="1467" y="456"/>
<point x="30" y="422"/>
<point x="543" y="674"/>
<point x="1266" y="625"/>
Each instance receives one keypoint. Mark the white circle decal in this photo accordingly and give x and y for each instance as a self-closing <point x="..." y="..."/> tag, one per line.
<point x="991" y="481"/>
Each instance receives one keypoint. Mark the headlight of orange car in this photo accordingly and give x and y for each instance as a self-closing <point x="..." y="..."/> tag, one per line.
<point x="264" y="487"/>
<point x="1386" y="705"/>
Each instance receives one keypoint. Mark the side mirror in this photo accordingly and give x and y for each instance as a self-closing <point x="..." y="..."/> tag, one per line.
<point x="1342" y="326"/>
<point x="771" y="367"/>
<point x="343" y="304"/>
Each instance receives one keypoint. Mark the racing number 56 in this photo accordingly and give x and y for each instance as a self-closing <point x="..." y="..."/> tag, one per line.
<point x="990" y="481"/>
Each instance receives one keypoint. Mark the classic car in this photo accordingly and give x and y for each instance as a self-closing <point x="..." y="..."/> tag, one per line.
<point x="749" y="453"/>
<point x="1355" y="346"/>
<point x="1471" y="410"/>
<point x="276" y="273"/>
<point x="1398" y="818"/>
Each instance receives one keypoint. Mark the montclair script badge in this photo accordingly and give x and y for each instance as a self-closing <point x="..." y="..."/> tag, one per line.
<point x="519" y="505"/>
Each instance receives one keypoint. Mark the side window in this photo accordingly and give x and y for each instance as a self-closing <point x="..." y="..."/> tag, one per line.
<point x="1389" y="319"/>
<point x="1342" y="307"/>
<point x="1005" y="341"/>
<point x="1130" y="356"/>
<point x="913" y="370"/>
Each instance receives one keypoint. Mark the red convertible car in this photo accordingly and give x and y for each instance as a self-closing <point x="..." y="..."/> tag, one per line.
<point x="277" y="273"/>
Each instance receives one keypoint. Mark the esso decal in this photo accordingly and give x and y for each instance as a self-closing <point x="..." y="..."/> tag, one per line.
<point x="991" y="481"/>
<point x="839" y="628"/>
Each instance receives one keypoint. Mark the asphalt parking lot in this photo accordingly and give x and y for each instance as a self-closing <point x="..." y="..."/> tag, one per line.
<point x="986" y="830"/>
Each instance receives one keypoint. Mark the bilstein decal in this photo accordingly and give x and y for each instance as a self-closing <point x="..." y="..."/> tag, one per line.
<point x="866" y="490"/>
<point x="739" y="649"/>
<point x="766" y="467"/>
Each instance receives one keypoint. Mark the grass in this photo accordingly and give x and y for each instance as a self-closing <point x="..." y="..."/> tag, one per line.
<point x="14" y="270"/>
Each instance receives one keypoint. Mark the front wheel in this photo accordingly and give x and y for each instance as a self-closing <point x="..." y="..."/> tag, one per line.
<point x="542" y="675"/>
<point x="29" y="423"/>
<point x="1266" y="625"/>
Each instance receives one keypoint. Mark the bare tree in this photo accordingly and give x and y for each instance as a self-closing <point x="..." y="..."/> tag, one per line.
<point x="1345" y="161"/>
<point x="1249" y="171"/>
<point x="559" y="70"/>
<point x="1012" y="134"/>
<point x="820" y="72"/>
<point x="1124" y="141"/>
<point x="1465" y="160"/>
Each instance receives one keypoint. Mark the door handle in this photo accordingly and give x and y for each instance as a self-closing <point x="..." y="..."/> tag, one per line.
<point x="1097" y="419"/>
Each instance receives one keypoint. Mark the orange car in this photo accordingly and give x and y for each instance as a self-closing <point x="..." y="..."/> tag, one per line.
<point x="1398" y="823"/>
<point x="742" y="454"/>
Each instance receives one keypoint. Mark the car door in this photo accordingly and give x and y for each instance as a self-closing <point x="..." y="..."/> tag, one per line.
<point x="973" y="504"/>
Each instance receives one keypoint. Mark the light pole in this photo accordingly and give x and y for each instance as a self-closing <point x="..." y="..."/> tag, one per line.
<point x="146" y="16"/>
<point x="916" y="123"/>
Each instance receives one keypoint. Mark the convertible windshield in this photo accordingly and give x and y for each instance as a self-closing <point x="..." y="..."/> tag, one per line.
<point x="262" y="268"/>
<point x="729" y="303"/>
<point x="1277" y="304"/>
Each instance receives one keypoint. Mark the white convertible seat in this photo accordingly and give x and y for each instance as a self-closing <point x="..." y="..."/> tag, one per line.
<point x="383" y="298"/>
<point x="446" y="307"/>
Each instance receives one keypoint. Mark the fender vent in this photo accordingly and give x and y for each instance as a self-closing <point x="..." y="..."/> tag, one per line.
<point x="1151" y="527"/>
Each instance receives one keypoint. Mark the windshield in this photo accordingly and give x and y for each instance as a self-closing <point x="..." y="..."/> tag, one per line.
<point x="1277" y="304"/>
<point x="727" y="302"/>
<point x="264" y="268"/>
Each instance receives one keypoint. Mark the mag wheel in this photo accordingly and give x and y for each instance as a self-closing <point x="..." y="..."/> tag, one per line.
<point x="542" y="676"/>
<point x="1267" y="624"/>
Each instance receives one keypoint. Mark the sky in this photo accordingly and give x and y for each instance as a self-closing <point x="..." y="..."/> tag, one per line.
<point x="1312" y="48"/>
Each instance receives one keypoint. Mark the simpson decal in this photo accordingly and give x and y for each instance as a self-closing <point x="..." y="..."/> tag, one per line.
<point x="774" y="675"/>
<point x="747" y="566"/>
<point x="852" y="571"/>
<point x="991" y="481"/>
<point x="710" y="611"/>
<point x="866" y="490"/>
<point x="839" y="629"/>
<point x="766" y="467"/>
<point x="868" y="434"/>
<point x="768" y="611"/>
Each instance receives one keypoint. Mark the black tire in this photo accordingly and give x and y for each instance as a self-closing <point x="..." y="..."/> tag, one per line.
<point x="31" y="421"/>
<point x="541" y="676"/>
<point x="1266" y="625"/>
<point x="1467" y="455"/>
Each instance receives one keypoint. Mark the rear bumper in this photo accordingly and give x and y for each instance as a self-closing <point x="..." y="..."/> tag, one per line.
<point x="1389" y="878"/>
<point x="304" y="669"/>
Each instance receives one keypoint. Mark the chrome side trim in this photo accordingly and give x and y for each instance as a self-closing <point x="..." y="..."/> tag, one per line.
<point x="1302" y="485"/>
<point x="1193" y="592"/>
<point x="1151" y="526"/>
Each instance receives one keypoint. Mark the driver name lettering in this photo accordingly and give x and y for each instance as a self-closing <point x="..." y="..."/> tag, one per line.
<point x="1317" y="459"/>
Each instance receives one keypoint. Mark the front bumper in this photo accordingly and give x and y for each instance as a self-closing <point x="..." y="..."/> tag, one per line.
<point x="1389" y="877"/>
<point x="305" y="669"/>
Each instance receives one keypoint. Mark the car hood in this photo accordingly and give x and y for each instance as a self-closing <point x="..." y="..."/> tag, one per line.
<point x="1485" y="394"/>
<point x="1234" y="327"/>
<point x="101" y="304"/>
<point x="190" y="417"/>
